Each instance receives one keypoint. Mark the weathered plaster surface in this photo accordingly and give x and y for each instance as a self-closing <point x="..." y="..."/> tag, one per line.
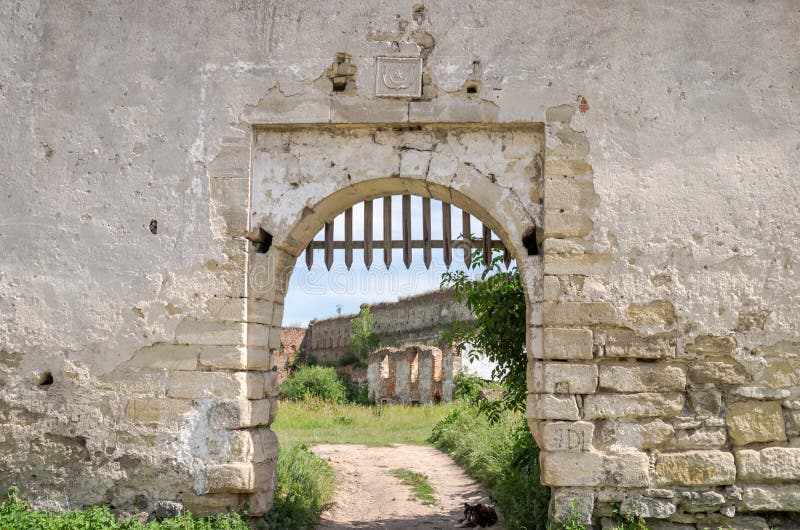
<point x="114" y="115"/>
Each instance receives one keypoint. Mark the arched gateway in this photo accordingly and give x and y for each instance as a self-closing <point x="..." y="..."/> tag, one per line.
<point x="663" y="356"/>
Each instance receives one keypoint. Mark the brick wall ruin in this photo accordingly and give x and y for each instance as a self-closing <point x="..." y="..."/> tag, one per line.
<point x="414" y="374"/>
<point x="651" y="148"/>
<point x="412" y="319"/>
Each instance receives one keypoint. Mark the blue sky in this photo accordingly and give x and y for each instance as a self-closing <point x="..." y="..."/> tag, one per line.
<point x="316" y="293"/>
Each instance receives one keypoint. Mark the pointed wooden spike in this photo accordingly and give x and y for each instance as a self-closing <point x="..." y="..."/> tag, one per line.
<point x="310" y="255"/>
<point x="387" y="231"/>
<point x="348" y="238"/>
<point x="368" y="234"/>
<point x="466" y="231"/>
<point x="487" y="246"/>
<point x="329" y="245"/>
<point x="426" y="231"/>
<point x="407" y="230"/>
<point x="506" y="257"/>
<point x="447" y="235"/>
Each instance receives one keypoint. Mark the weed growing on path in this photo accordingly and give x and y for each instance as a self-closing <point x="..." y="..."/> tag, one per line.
<point x="420" y="486"/>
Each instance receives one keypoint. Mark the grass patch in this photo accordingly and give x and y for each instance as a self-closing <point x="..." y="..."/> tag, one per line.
<point x="305" y="486"/>
<point x="312" y="421"/>
<point x="420" y="486"/>
<point x="16" y="514"/>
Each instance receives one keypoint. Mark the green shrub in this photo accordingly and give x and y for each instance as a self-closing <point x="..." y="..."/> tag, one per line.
<point x="318" y="382"/>
<point x="503" y="456"/>
<point x="305" y="486"/>
<point x="15" y="514"/>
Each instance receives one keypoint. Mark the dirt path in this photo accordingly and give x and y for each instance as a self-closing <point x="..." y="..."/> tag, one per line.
<point x="369" y="496"/>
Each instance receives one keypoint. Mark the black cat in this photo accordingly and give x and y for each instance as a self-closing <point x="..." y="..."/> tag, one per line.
<point x="481" y="515"/>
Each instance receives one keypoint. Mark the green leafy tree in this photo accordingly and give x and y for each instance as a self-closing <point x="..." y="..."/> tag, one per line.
<point x="497" y="301"/>
<point x="363" y="339"/>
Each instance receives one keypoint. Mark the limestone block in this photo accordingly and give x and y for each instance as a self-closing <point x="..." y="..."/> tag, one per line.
<point x="557" y="169"/>
<point x="711" y="345"/>
<point x="578" y="313"/>
<point x="654" y="434"/>
<point x="258" y="358"/>
<point x="552" y="288"/>
<point x="258" y="334"/>
<point x="773" y="464"/>
<point x="564" y="343"/>
<point x="223" y="357"/>
<point x="228" y="308"/>
<point x="701" y="438"/>
<point x="239" y="414"/>
<point x="192" y="384"/>
<point x="566" y="224"/>
<point x="578" y="264"/>
<point x="785" y="498"/>
<point x="755" y="421"/>
<point x="230" y="478"/>
<point x="566" y="436"/>
<point x="552" y="407"/>
<point x="194" y="331"/>
<point x="562" y="378"/>
<point x="271" y="383"/>
<point x="164" y="355"/>
<point x="647" y="507"/>
<point x="571" y="469"/>
<point x="265" y="444"/>
<point x="271" y="405"/>
<point x="717" y="372"/>
<point x="650" y="377"/>
<point x="760" y="392"/>
<point x="565" y="501"/>
<point x="209" y="504"/>
<point x="259" y="503"/>
<point x="161" y="411"/>
<point x="569" y="193"/>
<point x="720" y="521"/>
<point x="629" y="470"/>
<point x="125" y="382"/>
<point x="255" y="385"/>
<point x="701" y="501"/>
<point x="695" y="468"/>
<point x="643" y="405"/>
<point x="452" y="108"/>
<point x="705" y="402"/>
<point x="628" y="343"/>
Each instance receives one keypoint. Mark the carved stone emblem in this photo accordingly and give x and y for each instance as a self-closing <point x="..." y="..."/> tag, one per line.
<point x="398" y="77"/>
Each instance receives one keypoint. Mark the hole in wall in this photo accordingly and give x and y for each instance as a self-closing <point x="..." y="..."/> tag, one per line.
<point x="530" y="243"/>
<point x="261" y="239"/>
<point x="44" y="380"/>
<point x="153" y="226"/>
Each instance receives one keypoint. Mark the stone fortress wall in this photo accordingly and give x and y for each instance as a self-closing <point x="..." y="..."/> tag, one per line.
<point x="651" y="148"/>
<point x="418" y="319"/>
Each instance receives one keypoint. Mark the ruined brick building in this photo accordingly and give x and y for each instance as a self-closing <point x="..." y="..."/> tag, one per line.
<point x="638" y="159"/>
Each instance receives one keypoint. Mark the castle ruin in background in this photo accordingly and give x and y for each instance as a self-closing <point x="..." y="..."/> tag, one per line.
<point x="415" y="374"/>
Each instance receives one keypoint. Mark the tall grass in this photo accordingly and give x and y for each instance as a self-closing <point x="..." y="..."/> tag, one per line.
<point x="305" y="486"/>
<point x="314" y="421"/>
<point x="503" y="457"/>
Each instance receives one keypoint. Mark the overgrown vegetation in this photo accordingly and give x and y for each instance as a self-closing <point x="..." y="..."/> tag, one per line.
<point x="501" y="454"/>
<point x="314" y="382"/>
<point x="497" y="301"/>
<point x="420" y="486"/>
<point x="305" y="486"/>
<point x="363" y="339"/>
<point x="16" y="514"/>
<point x="489" y="438"/>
